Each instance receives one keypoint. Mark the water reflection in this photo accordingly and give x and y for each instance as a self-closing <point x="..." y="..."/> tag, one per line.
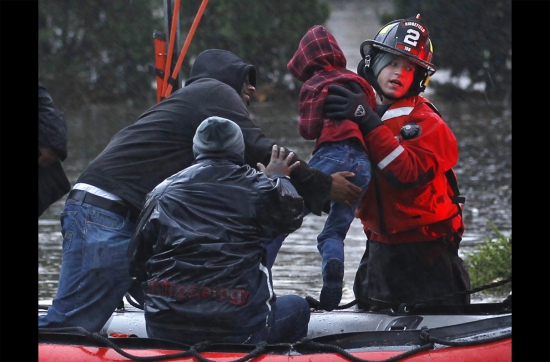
<point x="484" y="172"/>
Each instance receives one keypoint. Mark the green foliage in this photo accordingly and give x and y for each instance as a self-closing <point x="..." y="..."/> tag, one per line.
<point x="492" y="262"/>
<point x="470" y="37"/>
<point x="96" y="50"/>
<point x="99" y="50"/>
<point x="262" y="32"/>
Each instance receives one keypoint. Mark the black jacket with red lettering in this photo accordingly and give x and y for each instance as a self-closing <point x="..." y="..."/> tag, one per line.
<point x="200" y="246"/>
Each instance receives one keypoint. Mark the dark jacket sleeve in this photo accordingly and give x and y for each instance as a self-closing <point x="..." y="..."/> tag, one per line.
<point x="312" y="184"/>
<point x="52" y="128"/>
<point x="283" y="208"/>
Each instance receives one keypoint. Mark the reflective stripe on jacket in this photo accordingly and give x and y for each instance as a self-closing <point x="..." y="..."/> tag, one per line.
<point x="409" y="189"/>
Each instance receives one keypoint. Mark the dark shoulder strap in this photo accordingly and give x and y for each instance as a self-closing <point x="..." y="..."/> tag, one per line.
<point x="451" y="178"/>
<point x="431" y="105"/>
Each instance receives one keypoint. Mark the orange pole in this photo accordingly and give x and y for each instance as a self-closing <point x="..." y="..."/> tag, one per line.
<point x="160" y="62"/>
<point x="186" y="46"/>
<point x="171" y="46"/>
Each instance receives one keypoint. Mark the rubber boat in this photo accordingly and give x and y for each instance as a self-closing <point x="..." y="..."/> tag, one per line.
<point x="477" y="332"/>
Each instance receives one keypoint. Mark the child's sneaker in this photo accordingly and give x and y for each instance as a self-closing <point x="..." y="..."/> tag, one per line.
<point x="333" y="275"/>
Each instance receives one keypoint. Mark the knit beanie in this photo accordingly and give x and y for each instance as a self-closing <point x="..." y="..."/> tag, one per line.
<point x="380" y="61"/>
<point x="216" y="134"/>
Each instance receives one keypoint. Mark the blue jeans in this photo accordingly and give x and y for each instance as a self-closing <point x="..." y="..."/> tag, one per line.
<point x="94" y="272"/>
<point x="334" y="157"/>
<point x="287" y="323"/>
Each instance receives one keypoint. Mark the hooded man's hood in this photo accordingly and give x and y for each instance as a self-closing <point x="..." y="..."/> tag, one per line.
<point x="224" y="66"/>
<point x="318" y="50"/>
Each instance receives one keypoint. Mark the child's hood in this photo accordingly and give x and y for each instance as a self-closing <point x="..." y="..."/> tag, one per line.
<point x="318" y="50"/>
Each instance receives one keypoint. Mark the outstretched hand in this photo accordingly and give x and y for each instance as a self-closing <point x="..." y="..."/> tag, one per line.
<point x="342" y="190"/>
<point x="279" y="164"/>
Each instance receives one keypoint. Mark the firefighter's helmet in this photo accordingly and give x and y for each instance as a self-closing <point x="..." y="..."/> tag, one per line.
<point x="403" y="37"/>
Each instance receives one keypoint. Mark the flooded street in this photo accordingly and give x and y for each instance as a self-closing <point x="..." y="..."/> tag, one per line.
<point x="483" y="131"/>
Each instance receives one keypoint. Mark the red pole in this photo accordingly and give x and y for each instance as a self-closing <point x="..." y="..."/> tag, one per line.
<point x="185" y="46"/>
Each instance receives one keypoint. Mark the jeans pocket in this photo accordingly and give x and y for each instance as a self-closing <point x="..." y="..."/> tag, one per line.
<point x="105" y="219"/>
<point x="328" y="162"/>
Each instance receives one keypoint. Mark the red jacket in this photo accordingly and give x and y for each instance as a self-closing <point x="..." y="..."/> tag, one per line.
<point x="409" y="198"/>
<point x="320" y="62"/>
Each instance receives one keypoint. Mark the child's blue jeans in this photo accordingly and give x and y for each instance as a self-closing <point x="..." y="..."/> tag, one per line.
<point x="331" y="157"/>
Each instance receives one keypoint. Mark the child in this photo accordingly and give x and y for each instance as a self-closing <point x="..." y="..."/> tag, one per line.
<point x="319" y="62"/>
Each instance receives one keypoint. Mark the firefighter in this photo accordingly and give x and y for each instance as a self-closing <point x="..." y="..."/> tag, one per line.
<point x="412" y="211"/>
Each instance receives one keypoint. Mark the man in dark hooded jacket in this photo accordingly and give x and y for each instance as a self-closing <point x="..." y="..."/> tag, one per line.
<point x="100" y="212"/>
<point x="201" y="246"/>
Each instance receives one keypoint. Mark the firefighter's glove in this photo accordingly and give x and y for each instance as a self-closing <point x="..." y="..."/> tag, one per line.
<point x="342" y="103"/>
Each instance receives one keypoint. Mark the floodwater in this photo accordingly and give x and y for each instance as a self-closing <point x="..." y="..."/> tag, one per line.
<point x="484" y="168"/>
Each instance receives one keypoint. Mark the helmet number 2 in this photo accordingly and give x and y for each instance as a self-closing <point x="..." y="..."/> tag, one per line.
<point x="412" y="37"/>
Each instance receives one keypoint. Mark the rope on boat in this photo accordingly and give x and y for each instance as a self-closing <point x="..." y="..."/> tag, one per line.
<point x="424" y="335"/>
<point x="260" y="348"/>
<point x="194" y="351"/>
<point x="99" y="338"/>
<point x="315" y="304"/>
<point x="258" y="351"/>
<point x="410" y="305"/>
<point x="346" y="354"/>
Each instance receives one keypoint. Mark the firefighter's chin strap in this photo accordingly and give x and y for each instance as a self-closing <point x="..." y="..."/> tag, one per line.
<point x="382" y="94"/>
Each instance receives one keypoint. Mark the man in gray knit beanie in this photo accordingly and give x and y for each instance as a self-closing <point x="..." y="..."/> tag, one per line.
<point x="206" y="234"/>
<point x="217" y="134"/>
